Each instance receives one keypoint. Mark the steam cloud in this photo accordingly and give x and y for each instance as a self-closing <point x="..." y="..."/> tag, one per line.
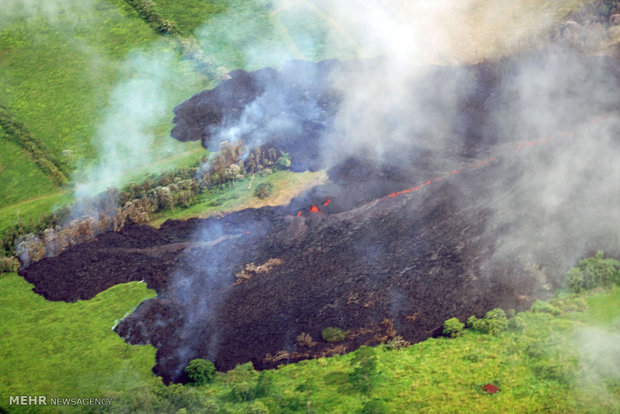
<point x="126" y="140"/>
<point x="388" y="111"/>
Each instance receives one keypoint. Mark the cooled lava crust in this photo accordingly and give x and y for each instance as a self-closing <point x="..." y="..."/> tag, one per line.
<point x="369" y="263"/>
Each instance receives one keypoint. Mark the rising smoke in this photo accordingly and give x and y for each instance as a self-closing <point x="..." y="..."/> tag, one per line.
<point x="548" y="207"/>
<point x="126" y="139"/>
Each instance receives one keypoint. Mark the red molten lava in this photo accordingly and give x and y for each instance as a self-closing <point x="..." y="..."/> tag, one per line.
<point x="315" y="209"/>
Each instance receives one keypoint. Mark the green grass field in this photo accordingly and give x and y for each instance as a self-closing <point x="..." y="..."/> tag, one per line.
<point x="239" y="195"/>
<point x="68" y="349"/>
<point x="557" y="364"/>
<point x="71" y="60"/>
<point x="19" y="172"/>
<point x="58" y="73"/>
<point x="190" y="15"/>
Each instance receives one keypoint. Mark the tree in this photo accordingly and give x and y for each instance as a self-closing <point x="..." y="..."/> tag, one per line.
<point x="453" y="327"/>
<point x="263" y="190"/>
<point x="200" y="371"/>
<point x="284" y="162"/>
<point x="494" y="322"/>
<point x="574" y="280"/>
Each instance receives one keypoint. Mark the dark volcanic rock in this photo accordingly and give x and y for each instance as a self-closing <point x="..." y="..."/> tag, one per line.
<point x="367" y="262"/>
<point x="406" y="263"/>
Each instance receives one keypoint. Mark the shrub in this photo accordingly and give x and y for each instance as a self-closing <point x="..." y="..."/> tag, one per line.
<point x="8" y="264"/>
<point x="284" y="161"/>
<point x="304" y="339"/>
<point x="544" y="307"/>
<point x="398" y="342"/>
<point x="574" y="280"/>
<point x="243" y="391"/>
<point x="593" y="272"/>
<point x="263" y="190"/>
<point x="263" y="384"/>
<point x="200" y="371"/>
<point x="243" y="382"/>
<point x="257" y="407"/>
<point x="494" y="322"/>
<point x="576" y="304"/>
<point x="331" y="334"/>
<point x="453" y="327"/>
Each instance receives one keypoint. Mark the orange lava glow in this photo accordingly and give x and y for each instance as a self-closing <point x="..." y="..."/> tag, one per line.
<point x="315" y="209"/>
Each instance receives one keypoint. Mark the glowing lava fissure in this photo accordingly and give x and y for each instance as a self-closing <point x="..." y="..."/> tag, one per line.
<point x="470" y="166"/>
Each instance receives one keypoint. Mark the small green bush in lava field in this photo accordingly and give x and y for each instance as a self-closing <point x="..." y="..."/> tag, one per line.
<point x="453" y="327"/>
<point x="331" y="334"/>
<point x="200" y="371"/>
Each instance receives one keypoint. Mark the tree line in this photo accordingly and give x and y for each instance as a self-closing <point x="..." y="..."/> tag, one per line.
<point x="17" y="133"/>
<point x="135" y="203"/>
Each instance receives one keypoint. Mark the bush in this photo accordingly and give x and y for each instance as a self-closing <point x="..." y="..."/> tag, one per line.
<point x="574" y="280"/>
<point x="453" y="327"/>
<point x="331" y="334"/>
<point x="200" y="371"/>
<point x="284" y="162"/>
<point x="304" y="339"/>
<point x="494" y="322"/>
<point x="263" y="190"/>
<point x="398" y="342"/>
<point x="257" y="407"/>
<point x="544" y="307"/>
<point x="8" y="264"/>
<point x="593" y="272"/>
<point x="243" y="391"/>
<point x="243" y="382"/>
<point x="575" y="304"/>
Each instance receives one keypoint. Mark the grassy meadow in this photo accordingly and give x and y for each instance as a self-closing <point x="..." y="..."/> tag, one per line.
<point x="556" y="363"/>
<point x="68" y="349"/>
<point x="239" y="195"/>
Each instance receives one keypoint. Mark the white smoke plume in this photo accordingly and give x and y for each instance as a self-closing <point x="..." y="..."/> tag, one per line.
<point x="69" y="12"/>
<point x="126" y="139"/>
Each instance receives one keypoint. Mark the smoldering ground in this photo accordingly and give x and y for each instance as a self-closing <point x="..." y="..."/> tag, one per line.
<point x="397" y="119"/>
<point x="453" y="247"/>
